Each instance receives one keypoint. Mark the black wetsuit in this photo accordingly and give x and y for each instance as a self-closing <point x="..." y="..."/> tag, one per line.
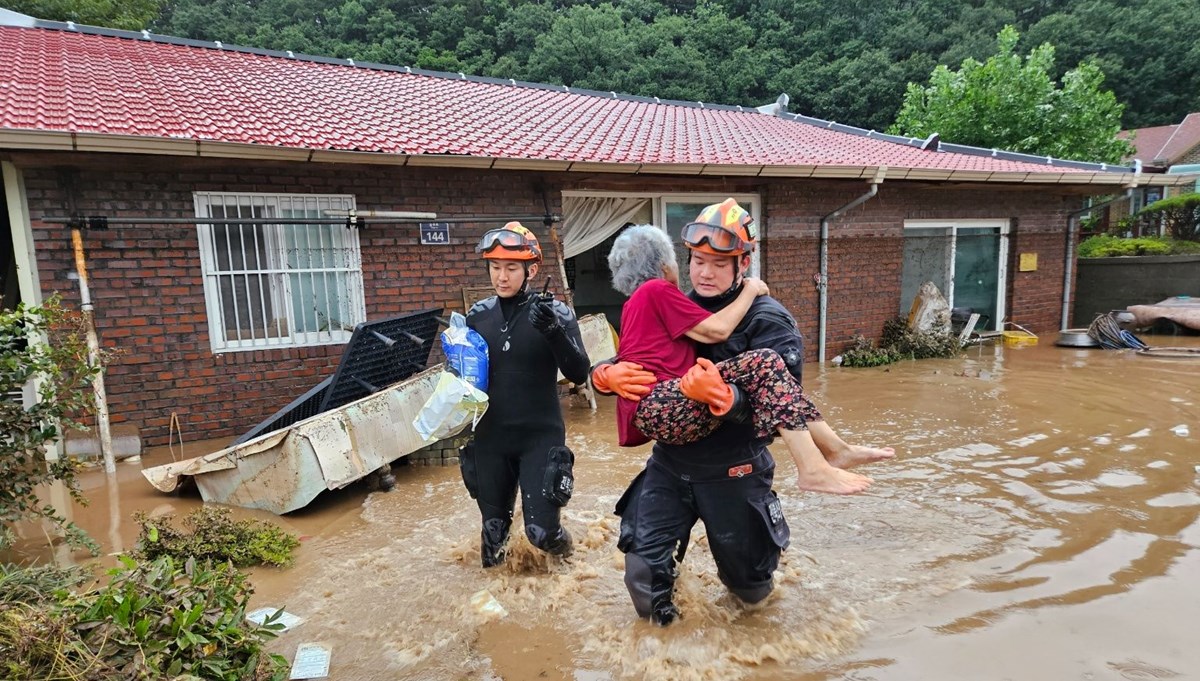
<point x="521" y="436"/>
<point x="724" y="479"/>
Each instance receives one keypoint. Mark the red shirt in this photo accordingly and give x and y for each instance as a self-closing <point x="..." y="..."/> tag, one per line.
<point x="654" y="322"/>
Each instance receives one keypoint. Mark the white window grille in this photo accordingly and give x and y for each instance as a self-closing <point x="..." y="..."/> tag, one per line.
<point x="279" y="285"/>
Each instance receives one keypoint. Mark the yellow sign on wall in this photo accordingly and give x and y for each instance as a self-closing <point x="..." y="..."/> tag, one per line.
<point x="1028" y="262"/>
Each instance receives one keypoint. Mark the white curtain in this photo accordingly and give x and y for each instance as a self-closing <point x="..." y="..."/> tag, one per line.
<point x="589" y="220"/>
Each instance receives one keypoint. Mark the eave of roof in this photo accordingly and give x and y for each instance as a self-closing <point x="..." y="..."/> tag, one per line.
<point x="1056" y="171"/>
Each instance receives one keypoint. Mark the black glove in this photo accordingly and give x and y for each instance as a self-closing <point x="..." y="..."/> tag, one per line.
<point x="542" y="316"/>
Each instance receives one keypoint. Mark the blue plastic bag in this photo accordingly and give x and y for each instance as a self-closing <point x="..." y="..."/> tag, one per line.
<point x="466" y="352"/>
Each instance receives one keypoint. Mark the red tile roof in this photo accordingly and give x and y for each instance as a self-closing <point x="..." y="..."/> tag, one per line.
<point x="118" y="84"/>
<point x="1164" y="145"/>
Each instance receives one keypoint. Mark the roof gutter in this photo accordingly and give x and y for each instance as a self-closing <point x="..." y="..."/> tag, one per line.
<point x="823" y="276"/>
<point x="54" y="140"/>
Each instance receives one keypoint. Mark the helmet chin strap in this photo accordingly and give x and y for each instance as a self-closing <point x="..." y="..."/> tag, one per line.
<point x="734" y="289"/>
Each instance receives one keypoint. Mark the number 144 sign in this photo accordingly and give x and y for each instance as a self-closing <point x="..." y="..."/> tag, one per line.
<point x="435" y="233"/>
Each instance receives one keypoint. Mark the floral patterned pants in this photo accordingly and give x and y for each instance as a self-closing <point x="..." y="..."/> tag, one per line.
<point x="776" y="400"/>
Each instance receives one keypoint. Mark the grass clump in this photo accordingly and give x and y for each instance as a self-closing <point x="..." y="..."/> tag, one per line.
<point x="210" y="534"/>
<point x="900" y="342"/>
<point x="154" y="620"/>
<point x="863" y="353"/>
<point x="38" y="584"/>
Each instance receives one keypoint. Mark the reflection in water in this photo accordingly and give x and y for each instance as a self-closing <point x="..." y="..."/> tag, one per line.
<point x="1041" y="516"/>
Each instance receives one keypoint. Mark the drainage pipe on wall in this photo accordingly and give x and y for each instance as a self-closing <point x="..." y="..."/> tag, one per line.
<point x="103" y="428"/>
<point x="823" y="276"/>
<point x="1069" y="254"/>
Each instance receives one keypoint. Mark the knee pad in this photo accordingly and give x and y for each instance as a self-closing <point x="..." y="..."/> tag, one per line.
<point x="558" y="544"/>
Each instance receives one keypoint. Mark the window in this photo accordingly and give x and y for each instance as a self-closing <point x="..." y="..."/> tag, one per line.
<point x="279" y="285"/>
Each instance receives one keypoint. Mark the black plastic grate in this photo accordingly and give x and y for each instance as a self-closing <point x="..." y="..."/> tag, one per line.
<point x="308" y="404"/>
<point x="379" y="354"/>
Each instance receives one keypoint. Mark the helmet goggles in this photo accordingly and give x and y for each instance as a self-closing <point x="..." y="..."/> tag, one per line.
<point x="718" y="238"/>
<point x="503" y="238"/>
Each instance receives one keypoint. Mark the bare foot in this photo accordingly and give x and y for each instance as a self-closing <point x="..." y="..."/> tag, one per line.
<point x="857" y="455"/>
<point x="833" y="481"/>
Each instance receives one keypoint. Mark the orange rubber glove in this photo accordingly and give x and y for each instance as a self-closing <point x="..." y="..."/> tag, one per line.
<point x="703" y="383"/>
<point x="626" y="379"/>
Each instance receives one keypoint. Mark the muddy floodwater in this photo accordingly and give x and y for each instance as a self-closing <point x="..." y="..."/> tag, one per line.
<point x="1039" y="522"/>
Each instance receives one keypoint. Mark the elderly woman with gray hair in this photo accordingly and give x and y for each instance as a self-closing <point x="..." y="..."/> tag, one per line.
<point x="659" y="326"/>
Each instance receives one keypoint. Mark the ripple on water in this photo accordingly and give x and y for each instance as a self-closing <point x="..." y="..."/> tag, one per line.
<point x="1120" y="479"/>
<point x="1175" y="500"/>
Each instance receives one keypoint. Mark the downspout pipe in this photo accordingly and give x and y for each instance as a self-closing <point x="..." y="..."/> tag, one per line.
<point x="68" y="179"/>
<point x="103" y="427"/>
<point x="823" y="275"/>
<point x="1069" y="253"/>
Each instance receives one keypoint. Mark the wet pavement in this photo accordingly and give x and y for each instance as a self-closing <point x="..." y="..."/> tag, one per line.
<point x="1040" y="522"/>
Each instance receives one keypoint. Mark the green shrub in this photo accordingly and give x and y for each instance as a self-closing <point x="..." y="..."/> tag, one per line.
<point x="64" y="392"/>
<point x="1179" y="216"/>
<point x="1107" y="246"/>
<point x="154" y="620"/>
<point x="212" y="535"/>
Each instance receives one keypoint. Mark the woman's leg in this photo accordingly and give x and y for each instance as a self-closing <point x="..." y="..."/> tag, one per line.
<point x="838" y="452"/>
<point x="778" y="404"/>
<point x="841" y="454"/>
<point x="667" y="416"/>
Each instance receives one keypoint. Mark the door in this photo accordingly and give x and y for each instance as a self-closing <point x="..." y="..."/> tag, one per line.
<point x="977" y="273"/>
<point x="964" y="259"/>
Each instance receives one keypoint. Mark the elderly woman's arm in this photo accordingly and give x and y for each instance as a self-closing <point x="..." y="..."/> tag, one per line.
<point x="717" y="327"/>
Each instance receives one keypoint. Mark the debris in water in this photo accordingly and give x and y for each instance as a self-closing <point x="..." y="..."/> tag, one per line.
<point x="312" y="661"/>
<point x="1181" y="430"/>
<point x="287" y="619"/>
<point x="486" y="603"/>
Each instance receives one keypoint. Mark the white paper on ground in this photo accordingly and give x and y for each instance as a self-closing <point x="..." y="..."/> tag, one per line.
<point x="287" y="619"/>
<point x="311" y="661"/>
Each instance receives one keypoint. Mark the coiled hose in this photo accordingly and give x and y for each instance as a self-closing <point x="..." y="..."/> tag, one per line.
<point x="1105" y="330"/>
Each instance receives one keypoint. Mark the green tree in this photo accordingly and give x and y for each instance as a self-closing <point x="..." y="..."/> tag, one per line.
<point x="62" y="369"/>
<point x="1147" y="49"/>
<point x="1013" y="103"/>
<point x="132" y="15"/>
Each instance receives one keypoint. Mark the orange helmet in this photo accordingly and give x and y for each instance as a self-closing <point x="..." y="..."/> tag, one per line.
<point x="513" y="241"/>
<point x="721" y="229"/>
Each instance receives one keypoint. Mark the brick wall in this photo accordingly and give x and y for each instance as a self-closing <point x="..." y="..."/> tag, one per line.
<point x="866" y="252"/>
<point x="146" y="280"/>
<point x="1191" y="156"/>
<point x="147" y="289"/>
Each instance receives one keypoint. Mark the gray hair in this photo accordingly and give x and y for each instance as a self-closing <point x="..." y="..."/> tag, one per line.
<point x="638" y="256"/>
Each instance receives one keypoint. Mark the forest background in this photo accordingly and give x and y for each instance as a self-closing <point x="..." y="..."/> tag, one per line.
<point x="847" y="61"/>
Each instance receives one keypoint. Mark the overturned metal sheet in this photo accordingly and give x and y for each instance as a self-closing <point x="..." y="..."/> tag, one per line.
<point x="285" y="470"/>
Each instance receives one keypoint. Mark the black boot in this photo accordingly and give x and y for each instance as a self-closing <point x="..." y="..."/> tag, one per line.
<point x="562" y="546"/>
<point x="492" y="541"/>
<point x="664" y="613"/>
<point x="662" y="603"/>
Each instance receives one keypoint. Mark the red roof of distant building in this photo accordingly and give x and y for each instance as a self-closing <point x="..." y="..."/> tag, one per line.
<point x="1164" y="145"/>
<point x="117" y="83"/>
